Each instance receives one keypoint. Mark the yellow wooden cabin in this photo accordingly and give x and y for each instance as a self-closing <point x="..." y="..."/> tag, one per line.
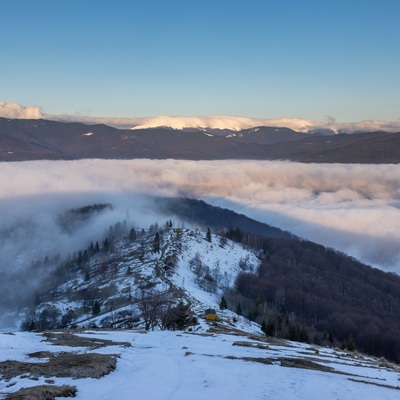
<point x="210" y="314"/>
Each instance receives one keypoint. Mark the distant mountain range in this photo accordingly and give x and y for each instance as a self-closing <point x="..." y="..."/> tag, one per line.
<point x="23" y="139"/>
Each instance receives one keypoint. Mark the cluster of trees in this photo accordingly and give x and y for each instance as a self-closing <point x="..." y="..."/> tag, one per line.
<point x="47" y="318"/>
<point x="286" y="327"/>
<point x="163" y="310"/>
<point x="305" y="291"/>
<point x="217" y="218"/>
<point x="74" y="218"/>
<point x="234" y="234"/>
<point x="206" y="277"/>
<point x="59" y="270"/>
<point x="54" y="271"/>
<point x="94" y="300"/>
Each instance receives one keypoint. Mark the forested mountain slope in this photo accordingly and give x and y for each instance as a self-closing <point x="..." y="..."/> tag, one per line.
<point x="293" y="288"/>
<point x="22" y="140"/>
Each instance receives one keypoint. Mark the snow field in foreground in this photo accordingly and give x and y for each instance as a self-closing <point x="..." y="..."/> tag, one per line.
<point x="182" y="365"/>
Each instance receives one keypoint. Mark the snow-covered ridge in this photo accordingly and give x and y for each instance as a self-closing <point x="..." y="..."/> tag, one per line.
<point x="200" y="267"/>
<point x="237" y="123"/>
<point x="224" y="122"/>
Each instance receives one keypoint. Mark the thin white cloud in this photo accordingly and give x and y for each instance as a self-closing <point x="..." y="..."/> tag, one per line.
<point x="353" y="208"/>
<point x="16" y="111"/>
<point x="369" y="126"/>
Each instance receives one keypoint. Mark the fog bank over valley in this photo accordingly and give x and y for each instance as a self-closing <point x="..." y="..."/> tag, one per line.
<point x="352" y="208"/>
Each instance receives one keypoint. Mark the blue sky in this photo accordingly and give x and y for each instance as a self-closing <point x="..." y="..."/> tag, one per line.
<point x="263" y="59"/>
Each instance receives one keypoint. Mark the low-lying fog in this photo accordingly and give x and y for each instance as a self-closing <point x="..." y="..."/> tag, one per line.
<point x="352" y="208"/>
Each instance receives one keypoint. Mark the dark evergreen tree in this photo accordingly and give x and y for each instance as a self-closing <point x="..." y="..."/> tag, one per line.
<point x="79" y="258"/>
<point x="176" y="317"/>
<point x="264" y="326"/>
<point x="331" y="340"/>
<point x="96" y="308"/>
<point x="239" y="309"/>
<point x="208" y="235"/>
<point x="317" y="340"/>
<point x="91" y="249"/>
<point x="223" y="304"/>
<point x="253" y="313"/>
<point x="132" y="235"/>
<point x="235" y="234"/>
<point x="85" y="256"/>
<point x="350" y="344"/>
<point x="106" y="244"/>
<point x="156" y="243"/>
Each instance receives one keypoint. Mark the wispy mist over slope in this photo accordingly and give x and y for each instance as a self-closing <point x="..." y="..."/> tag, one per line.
<point x="353" y="208"/>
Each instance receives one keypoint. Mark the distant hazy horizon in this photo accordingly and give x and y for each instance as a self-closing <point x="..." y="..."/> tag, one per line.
<point x="17" y="111"/>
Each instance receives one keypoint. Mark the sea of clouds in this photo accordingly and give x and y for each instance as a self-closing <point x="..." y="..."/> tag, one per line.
<point x="352" y="208"/>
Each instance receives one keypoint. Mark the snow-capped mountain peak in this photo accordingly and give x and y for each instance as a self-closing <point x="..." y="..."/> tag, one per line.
<point x="212" y="122"/>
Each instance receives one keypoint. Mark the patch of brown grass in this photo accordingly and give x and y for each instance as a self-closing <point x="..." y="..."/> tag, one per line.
<point x="286" y="362"/>
<point x="71" y="340"/>
<point x="222" y="329"/>
<point x="41" y="354"/>
<point x="271" y="340"/>
<point x="303" y="363"/>
<point x="266" y="361"/>
<point x="375" y="384"/>
<point x="91" y="365"/>
<point x="253" y="345"/>
<point x="43" y="392"/>
<point x="383" y="363"/>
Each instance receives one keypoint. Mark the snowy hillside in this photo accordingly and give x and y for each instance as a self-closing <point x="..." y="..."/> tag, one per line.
<point x="223" y="261"/>
<point x="139" y="284"/>
<point x="186" y="266"/>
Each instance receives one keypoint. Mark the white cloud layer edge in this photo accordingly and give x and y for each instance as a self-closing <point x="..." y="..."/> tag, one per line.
<point x="353" y="208"/>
